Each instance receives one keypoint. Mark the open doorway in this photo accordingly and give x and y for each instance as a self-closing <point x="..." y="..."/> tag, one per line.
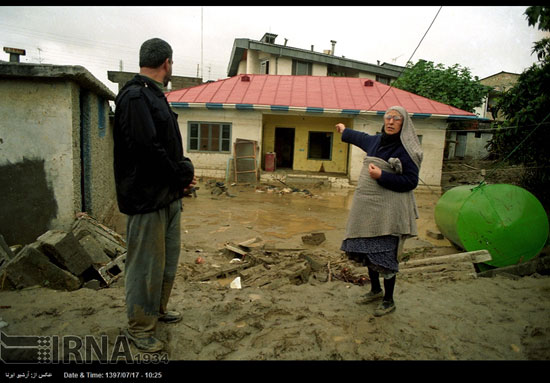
<point x="284" y="147"/>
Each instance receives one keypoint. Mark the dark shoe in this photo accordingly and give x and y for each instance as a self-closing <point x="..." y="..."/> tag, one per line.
<point x="170" y="317"/>
<point x="385" y="307"/>
<point x="371" y="297"/>
<point x="147" y="344"/>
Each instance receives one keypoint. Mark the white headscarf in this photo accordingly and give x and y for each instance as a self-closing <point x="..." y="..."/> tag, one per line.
<point x="408" y="136"/>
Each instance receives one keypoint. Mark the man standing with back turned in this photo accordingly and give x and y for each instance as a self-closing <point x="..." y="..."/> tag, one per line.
<point x="151" y="174"/>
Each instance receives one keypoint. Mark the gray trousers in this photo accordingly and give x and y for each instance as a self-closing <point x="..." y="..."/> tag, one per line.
<point x="153" y="249"/>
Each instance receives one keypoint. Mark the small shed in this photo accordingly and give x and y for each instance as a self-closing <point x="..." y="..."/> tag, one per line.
<point x="56" y="148"/>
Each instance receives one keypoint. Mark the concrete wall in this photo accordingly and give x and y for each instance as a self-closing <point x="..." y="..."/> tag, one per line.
<point x="37" y="179"/>
<point x="475" y="146"/>
<point x="284" y="66"/>
<point x="40" y="157"/>
<point x="319" y="69"/>
<point x="98" y="146"/>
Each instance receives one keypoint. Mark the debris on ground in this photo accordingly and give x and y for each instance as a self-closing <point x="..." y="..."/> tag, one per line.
<point x="314" y="238"/>
<point x="218" y="188"/>
<point x="89" y="255"/>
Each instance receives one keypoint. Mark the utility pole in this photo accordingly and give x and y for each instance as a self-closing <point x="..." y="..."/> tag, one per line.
<point x="202" y="75"/>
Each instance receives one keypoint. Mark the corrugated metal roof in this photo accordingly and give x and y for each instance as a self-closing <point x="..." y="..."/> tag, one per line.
<point x="308" y="93"/>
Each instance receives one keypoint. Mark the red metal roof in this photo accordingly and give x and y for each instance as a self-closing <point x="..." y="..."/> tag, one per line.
<point x="319" y="92"/>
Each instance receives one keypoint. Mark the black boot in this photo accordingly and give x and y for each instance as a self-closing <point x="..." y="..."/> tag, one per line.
<point x="375" y="292"/>
<point x="387" y="305"/>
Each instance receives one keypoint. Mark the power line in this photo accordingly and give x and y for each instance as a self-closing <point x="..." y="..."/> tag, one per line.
<point x="122" y="50"/>
<point x="410" y="58"/>
<point x="517" y="147"/>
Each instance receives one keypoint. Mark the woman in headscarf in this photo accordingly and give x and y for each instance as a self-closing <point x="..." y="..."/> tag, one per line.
<point x="383" y="212"/>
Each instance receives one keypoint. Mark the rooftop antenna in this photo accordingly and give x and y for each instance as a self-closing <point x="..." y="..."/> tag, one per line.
<point x="395" y="58"/>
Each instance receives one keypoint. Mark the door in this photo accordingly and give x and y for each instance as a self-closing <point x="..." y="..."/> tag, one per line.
<point x="284" y="147"/>
<point x="460" y="150"/>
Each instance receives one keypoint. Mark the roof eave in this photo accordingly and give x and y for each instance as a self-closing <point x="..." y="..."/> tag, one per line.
<point x="310" y="110"/>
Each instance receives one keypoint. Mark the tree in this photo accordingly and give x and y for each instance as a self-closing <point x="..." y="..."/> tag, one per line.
<point x="452" y="86"/>
<point x="524" y="136"/>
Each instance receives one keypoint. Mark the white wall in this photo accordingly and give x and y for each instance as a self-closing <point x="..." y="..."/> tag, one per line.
<point x="475" y="146"/>
<point x="245" y="125"/>
<point x="37" y="123"/>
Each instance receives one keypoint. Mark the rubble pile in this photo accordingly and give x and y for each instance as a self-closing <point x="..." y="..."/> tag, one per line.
<point x="220" y="189"/>
<point x="90" y="255"/>
<point x="256" y="264"/>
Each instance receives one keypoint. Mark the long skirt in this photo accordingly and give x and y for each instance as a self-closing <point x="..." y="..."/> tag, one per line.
<point x="378" y="253"/>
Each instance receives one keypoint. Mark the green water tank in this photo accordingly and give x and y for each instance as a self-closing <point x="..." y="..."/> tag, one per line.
<point x="506" y="220"/>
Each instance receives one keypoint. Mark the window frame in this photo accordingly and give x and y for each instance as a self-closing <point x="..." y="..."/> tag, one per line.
<point x="295" y="64"/>
<point x="309" y="146"/>
<point x="221" y="139"/>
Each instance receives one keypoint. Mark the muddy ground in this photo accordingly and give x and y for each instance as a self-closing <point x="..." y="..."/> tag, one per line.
<point x="309" y="314"/>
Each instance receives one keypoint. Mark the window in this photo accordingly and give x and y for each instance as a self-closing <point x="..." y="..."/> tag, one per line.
<point x="383" y="79"/>
<point x="320" y="146"/>
<point x="301" y="68"/>
<point x="209" y="137"/>
<point x="264" y="67"/>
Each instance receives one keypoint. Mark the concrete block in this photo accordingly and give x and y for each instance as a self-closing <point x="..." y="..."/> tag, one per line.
<point x="113" y="270"/>
<point x="65" y="250"/>
<point x="5" y="251"/>
<point x="314" y="238"/>
<point x="30" y="268"/>
<point x="93" y="284"/>
<point x="113" y="244"/>
<point x="94" y="250"/>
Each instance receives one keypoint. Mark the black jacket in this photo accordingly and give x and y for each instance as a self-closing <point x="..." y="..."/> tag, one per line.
<point x="150" y="168"/>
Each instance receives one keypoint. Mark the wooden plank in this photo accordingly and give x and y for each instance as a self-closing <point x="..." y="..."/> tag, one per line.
<point x="222" y="272"/>
<point x="235" y="249"/>
<point x="477" y="256"/>
<point x="463" y="267"/>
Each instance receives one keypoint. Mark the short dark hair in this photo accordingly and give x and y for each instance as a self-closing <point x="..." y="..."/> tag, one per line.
<point x="154" y="52"/>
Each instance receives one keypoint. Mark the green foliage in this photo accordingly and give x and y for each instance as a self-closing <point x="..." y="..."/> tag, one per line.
<point x="453" y="85"/>
<point x="526" y="108"/>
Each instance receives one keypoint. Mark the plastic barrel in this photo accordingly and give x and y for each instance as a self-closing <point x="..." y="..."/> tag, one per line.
<point x="506" y="220"/>
<point x="270" y="161"/>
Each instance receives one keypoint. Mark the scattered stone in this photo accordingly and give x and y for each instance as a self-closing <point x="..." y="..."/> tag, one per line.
<point x="314" y="238"/>
<point x="93" y="284"/>
<point x="30" y="267"/>
<point x="90" y="255"/>
<point x="95" y="251"/>
<point x="113" y="244"/>
<point x="64" y="249"/>
<point x="434" y="234"/>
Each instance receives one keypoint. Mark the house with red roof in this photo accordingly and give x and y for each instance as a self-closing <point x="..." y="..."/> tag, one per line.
<point x="293" y="119"/>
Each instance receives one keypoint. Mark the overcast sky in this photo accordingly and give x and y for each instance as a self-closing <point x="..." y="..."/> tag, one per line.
<point x="487" y="40"/>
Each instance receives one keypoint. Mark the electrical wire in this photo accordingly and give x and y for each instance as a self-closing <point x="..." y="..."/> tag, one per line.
<point x="410" y="58"/>
<point x="516" y="148"/>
